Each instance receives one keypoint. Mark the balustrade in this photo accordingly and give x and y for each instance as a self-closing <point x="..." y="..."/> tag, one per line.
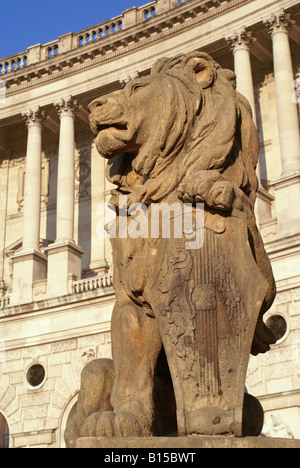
<point x="14" y="63"/>
<point x="91" y="284"/>
<point x="4" y="302"/>
<point x="90" y="35"/>
<point x="149" y="13"/>
<point x="97" y="33"/>
<point x="51" y="51"/>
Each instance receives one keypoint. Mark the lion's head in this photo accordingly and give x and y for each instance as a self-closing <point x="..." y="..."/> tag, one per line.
<point x="185" y="117"/>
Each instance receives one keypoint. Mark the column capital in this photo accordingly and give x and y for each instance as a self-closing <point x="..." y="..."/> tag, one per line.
<point x="279" y="22"/>
<point x="67" y="106"/>
<point x="241" y="39"/>
<point x="34" y="117"/>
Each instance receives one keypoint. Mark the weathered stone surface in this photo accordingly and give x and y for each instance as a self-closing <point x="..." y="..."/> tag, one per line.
<point x="181" y="137"/>
<point x="186" y="442"/>
<point x="96" y="386"/>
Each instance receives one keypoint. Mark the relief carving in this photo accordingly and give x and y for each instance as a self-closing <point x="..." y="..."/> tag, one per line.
<point x="83" y="173"/>
<point x="21" y="182"/>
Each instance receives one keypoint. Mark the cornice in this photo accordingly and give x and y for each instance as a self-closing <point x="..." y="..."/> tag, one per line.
<point x="142" y="36"/>
<point x="41" y="307"/>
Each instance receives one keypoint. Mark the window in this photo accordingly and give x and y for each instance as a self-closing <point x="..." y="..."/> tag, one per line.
<point x="36" y="375"/>
<point x="278" y="326"/>
<point x="4" y="432"/>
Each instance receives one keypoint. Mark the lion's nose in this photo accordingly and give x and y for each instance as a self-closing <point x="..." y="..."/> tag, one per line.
<point x="108" y="101"/>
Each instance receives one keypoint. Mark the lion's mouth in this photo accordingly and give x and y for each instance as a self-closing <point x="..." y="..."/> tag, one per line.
<point x="100" y="127"/>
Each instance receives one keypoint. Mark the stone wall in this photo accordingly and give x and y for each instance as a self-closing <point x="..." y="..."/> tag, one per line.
<point x="273" y="376"/>
<point x="36" y="416"/>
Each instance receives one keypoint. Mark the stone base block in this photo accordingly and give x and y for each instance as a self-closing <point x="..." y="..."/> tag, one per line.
<point x="287" y="193"/>
<point x="28" y="266"/>
<point x="263" y="207"/>
<point x="64" y="262"/>
<point x="189" y="442"/>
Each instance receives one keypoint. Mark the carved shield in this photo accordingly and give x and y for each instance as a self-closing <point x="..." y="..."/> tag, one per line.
<point x="207" y="303"/>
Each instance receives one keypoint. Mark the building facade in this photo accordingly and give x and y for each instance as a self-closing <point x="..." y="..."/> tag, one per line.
<point x="56" y="291"/>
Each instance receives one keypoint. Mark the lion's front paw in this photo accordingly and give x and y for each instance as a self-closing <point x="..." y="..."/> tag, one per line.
<point x="89" y="426"/>
<point x="122" y="424"/>
<point x="207" y="187"/>
<point x="221" y="196"/>
<point x="105" y="425"/>
<point x="126" y="425"/>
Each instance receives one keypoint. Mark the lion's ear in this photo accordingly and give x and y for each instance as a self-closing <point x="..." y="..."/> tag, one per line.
<point x="203" y="70"/>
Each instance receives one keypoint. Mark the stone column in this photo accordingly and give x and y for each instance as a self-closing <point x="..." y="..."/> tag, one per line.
<point x="66" y="170"/>
<point x="240" y="43"/>
<point x="29" y="265"/>
<point x="278" y="26"/>
<point x="64" y="256"/>
<point x="32" y="191"/>
<point x="4" y="182"/>
<point x="287" y="188"/>
<point x="100" y="213"/>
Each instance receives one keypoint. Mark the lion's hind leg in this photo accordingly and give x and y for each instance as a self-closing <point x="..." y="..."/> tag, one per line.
<point x="136" y="345"/>
<point x="94" y="399"/>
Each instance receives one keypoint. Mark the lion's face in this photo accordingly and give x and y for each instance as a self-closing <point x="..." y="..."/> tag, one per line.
<point x="124" y="121"/>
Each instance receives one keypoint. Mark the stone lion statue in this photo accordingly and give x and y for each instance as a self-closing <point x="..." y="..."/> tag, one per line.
<point x="185" y="320"/>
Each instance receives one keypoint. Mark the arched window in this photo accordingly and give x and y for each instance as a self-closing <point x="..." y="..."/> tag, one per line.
<point x="4" y="432"/>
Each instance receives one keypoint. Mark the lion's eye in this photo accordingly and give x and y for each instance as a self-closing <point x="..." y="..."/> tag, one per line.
<point x="137" y="87"/>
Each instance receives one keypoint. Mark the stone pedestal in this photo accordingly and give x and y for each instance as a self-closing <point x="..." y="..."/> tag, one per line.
<point x="263" y="206"/>
<point x="28" y="266"/>
<point x="287" y="192"/>
<point x="188" y="443"/>
<point x="64" y="263"/>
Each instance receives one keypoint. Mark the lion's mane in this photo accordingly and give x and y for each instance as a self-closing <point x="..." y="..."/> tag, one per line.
<point x="201" y="127"/>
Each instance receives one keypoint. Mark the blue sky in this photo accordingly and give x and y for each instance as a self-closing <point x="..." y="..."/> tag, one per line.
<point x="29" y="22"/>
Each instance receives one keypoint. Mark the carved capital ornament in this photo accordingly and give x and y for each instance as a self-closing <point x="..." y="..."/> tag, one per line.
<point x="279" y="22"/>
<point x="67" y="106"/>
<point x="242" y="39"/>
<point x="34" y="117"/>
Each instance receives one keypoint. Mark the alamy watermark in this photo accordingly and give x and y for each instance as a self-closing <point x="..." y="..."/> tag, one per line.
<point x="159" y="220"/>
